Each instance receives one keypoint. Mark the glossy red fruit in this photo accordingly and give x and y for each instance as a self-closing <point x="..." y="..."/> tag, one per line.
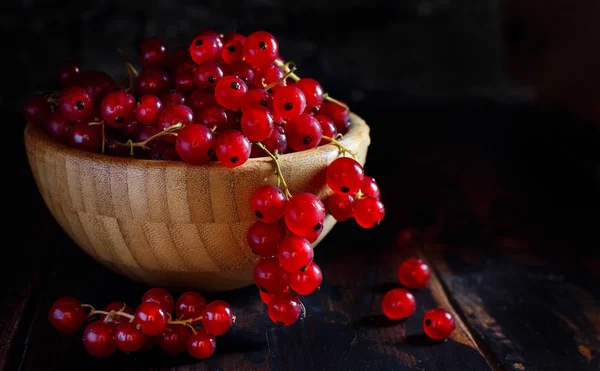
<point x="295" y="253"/>
<point x="256" y="98"/>
<point x="257" y="123"/>
<point x="217" y="317"/>
<point x="152" y="80"/>
<point x="267" y="76"/>
<point x="195" y="144"/>
<point x="369" y="187"/>
<point x="303" y="132"/>
<point x="268" y="203"/>
<point x="277" y="142"/>
<point x="172" y="98"/>
<point x="118" y="108"/>
<point x="86" y="137"/>
<point x="341" y="206"/>
<point x="207" y="74"/>
<point x="128" y="338"/>
<point x="37" y="109"/>
<point x="96" y="83"/>
<point x="339" y="115"/>
<point x="68" y="73"/>
<point x="266" y="298"/>
<point x="205" y="47"/>
<point x="345" y="175"/>
<point x="304" y="215"/>
<point x="199" y="99"/>
<point x="369" y="212"/>
<point x="233" y="148"/>
<point x="201" y="345"/>
<point x="161" y="297"/>
<point x="398" y="303"/>
<point x="183" y="80"/>
<point x="232" y="51"/>
<point x="173" y="339"/>
<point x="312" y="91"/>
<point x="151" y="318"/>
<point x="438" y="324"/>
<point x="234" y="36"/>
<point x="148" y="110"/>
<point x="284" y="309"/>
<point x="241" y="69"/>
<point x="172" y="116"/>
<point x="98" y="339"/>
<point x="327" y="128"/>
<point x="58" y="127"/>
<point x="289" y="102"/>
<point x="190" y="305"/>
<point x="264" y="238"/>
<point x="260" y="49"/>
<point x="414" y="273"/>
<point x="145" y="132"/>
<point x="117" y="306"/>
<point x="270" y="276"/>
<point x="76" y="104"/>
<point x="307" y="281"/>
<point x="229" y="91"/>
<point x="214" y="116"/>
<point x="131" y="129"/>
<point x="153" y="53"/>
<point x="67" y="315"/>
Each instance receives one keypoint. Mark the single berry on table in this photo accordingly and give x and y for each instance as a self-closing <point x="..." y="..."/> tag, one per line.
<point x="438" y="324"/>
<point x="414" y="273"/>
<point x="398" y="303"/>
<point x="307" y="281"/>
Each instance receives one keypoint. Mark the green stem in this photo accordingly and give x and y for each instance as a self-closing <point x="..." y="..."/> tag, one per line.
<point x="343" y="149"/>
<point x="280" y="178"/>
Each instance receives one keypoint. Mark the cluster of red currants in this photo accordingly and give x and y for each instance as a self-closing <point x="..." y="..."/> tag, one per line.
<point x="194" y="326"/>
<point x="400" y="303"/>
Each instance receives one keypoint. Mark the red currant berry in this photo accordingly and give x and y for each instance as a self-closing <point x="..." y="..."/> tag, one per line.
<point x="370" y="188"/>
<point x="161" y="297"/>
<point x="257" y="123"/>
<point x="117" y="306"/>
<point x="145" y="132"/>
<point x="97" y="84"/>
<point x="214" y="116"/>
<point x="37" y="109"/>
<point x="233" y="148"/>
<point x="289" y="102"/>
<point x="130" y="130"/>
<point x="268" y="203"/>
<point x="67" y="315"/>
<point x="98" y="339"/>
<point x="304" y="215"/>
<point x="128" y="338"/>
<point x="277" y="142"/>
<point x="339" y="115"/>
<point x="68" y="73"/>
<point x="306" y="282"/>
<point x="341" y="206"/>
<point x="295" y="253"/>
<point x="368" y="212"/>
<point x="183" y="80"/>
<point x="229" y="92"/>
<point x="285" y="309"/>
<point x="173" y="339"/>
<point x="303" y="132"/>
<point x="153" y="53"/>
<point x="195" y="144"/>
<point x="398" y="303"/>
<point x="414" y="273"/>
<point x="148" y="109"/>
<point x="242" y="70"/>
<point x="118" y="108"/>
<point x="172" y="98"/>
<point x="267" y="76"/>
<point x="270" y="276"/>
<point x="199" y="99"/>
<point x="312" y="91"/>
<point x="58" y="127"/>
<point x="232" y="51"/>
<point x="151" y="318"/>
<point x="264" y="238"/>
<point x="266" y="298"/>
<point x="260" y="49"/>
<point x="438" y="324"/>
<point x="205" y="47"/>
<point x="256" y="98"/>
<point x="327" y="127"/>
<point x="217" y="317"/>
<point x="201" y="345"/>
<point x="190" y="305"/>
<point x="76" y="104"/>
<point x="407" y="236"/>
<point x="172" y="116"/>
<point x="234" y="36"/>
<point x="345" y="175"/>
<point x="207" y="74"/>
<point x="86" y="137"/>
<point x="152" y="80"/>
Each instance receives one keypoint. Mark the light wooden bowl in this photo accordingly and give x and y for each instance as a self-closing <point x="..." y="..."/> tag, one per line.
<point x="170" y="224"/>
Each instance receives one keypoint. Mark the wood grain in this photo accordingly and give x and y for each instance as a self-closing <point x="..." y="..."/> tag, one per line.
<point x="169" y="223"/>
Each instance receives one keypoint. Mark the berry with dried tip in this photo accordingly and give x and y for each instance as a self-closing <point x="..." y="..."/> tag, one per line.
<point x="76" y="104"/>
<point x="369" y="212"/>
<point x="205" y="47"/>
<point x="118" y="108"/>
<point x="232" y="148"/>
<point x="438" y="324"/>
<point x="398" y="303"/>
<point x="312" y="91"/>
<point x="289" y="102"/>
<point x="268" y="203"/>
<point x="229" y="92"/>
<point x="260" y="49"/>
<point x="303" y="132"/>
<point x="307" y="281"/>
<point x="304" y="215"/>
<point x="345" y="175"/>
<point x="207" y="74"/>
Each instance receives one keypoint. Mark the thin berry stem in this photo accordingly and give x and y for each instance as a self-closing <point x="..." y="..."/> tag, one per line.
<point x="112" y="313"/>
<point x="280" y="178"/>
<point x="131" y="144"/>
<point x="183" y="321"/>
<point x="279" y="80"/>
<point x="343" y="149"/>
<point x="335" y="101"/>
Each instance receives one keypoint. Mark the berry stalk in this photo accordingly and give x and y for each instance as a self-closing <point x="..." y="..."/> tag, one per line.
<point x="343" y="149"/>
<point x="280" y="178"/>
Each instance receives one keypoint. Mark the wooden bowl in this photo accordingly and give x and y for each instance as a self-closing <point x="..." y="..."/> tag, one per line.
<point x="166" y="223"/>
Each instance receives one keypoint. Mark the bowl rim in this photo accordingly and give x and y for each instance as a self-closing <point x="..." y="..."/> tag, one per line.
<point x="34" y="136"/>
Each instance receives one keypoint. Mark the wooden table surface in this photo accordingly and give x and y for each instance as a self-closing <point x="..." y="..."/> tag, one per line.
<point x="517" y="306"/>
